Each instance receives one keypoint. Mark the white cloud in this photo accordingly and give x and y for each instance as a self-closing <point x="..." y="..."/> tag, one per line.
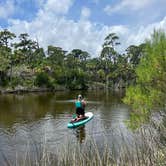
<point x="52" y="28"/>
<point x="67" y="33"/>
<point x="57" y="6"/>
<point x="145" y="32"/>
<point x="128" y="4"/>
<point x="136" y="4"/>
<point x="7" y="9"/>
<point x="85" y="13"/>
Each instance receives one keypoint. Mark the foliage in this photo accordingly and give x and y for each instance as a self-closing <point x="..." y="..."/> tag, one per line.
<point x="43" y="80"/>
<point x="26" y="48"/>
<point x="76" y="80"/>
<point x="16" y="81"/>
<point x="72" y="70"/>
<point x="134" y="53"/>
<point x="5" y="37"/>
<point x="4" y="65"/>
<point x="150" y="89"/>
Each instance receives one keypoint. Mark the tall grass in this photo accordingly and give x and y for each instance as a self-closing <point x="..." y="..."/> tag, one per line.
<point x="147" y="148"/>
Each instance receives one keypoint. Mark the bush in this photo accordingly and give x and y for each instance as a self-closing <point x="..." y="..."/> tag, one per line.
<point x="43" y="80"/>
<point x="149" y="92"/>
<point x="3" y="79"/>
<point x="77" y="80"/>
<point x="15" y="81"/>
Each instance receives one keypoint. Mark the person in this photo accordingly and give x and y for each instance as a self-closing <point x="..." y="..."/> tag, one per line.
<point x="80" y="108"/>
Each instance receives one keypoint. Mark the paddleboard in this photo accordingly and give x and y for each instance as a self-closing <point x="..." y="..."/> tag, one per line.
<point x="88" y="115"/>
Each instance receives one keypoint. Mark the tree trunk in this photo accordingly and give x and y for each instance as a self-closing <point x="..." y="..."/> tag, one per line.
<point x="107" y="82"/>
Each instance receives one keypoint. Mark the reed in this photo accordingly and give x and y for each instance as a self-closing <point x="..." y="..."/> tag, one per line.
<point x="147" y="148"/>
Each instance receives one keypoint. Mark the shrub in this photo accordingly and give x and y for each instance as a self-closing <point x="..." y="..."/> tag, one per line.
<point x="43" y="80"/>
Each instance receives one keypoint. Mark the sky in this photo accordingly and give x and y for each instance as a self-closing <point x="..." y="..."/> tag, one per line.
<point x="83" y="24"/>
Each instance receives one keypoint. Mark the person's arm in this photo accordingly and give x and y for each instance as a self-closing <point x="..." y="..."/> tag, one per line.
<point x="83" y="103"/>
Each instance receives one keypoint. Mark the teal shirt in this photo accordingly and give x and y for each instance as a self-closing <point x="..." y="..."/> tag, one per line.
<point x="78" y="104"/>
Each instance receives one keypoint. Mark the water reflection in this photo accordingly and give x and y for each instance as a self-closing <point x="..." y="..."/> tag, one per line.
<point x="80" y="133"/>
<point x="42" y="119"/>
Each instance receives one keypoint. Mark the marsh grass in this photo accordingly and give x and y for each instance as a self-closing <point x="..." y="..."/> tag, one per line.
<point x="145" y="149"/>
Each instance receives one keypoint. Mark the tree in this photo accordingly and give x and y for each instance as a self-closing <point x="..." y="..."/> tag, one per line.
<point x="76" y="69"/>
<point x="134" y="54"/>
<point x="56" y="60"/>
<point x="150" y="89"/>
<point x="56" y="55"/>
<point x="38" y="58"/>
<point x="78" y="56"/>
<point x="108" y="53"/>
<point x="6" y="51"/>
<point x="5" y="37"/>
<point x="26" y="47"/>
<point x="4" y="65"/>
<point x="92" y="66"/>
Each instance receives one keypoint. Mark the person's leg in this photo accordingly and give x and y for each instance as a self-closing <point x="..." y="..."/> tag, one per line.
<point x="84" y="112"/>
<point x="81" y="113"/>
<point x="77" y="117"/>
<point x="78" y="112"/>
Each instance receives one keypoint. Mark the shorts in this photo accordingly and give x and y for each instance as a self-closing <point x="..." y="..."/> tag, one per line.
<point x="80" y="111"/>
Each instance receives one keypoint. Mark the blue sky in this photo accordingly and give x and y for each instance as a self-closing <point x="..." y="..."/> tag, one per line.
<point x="83" y="23"/>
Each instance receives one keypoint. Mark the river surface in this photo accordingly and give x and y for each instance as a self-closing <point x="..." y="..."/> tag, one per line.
<point x="28" y="121"/>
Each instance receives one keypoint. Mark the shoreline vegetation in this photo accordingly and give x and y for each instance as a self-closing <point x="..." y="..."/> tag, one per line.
<point x="21" y="89"/>
<point x="25" y="66"/>
<point x="18" y="90"/>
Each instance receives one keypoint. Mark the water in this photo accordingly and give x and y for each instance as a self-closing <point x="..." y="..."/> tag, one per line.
<point x="29" y="121"/>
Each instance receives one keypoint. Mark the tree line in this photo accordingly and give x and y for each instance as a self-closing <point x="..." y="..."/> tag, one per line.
<point x="25" y="63"/>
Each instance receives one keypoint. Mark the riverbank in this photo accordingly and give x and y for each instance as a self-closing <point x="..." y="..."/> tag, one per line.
<point x="21" y="89"/>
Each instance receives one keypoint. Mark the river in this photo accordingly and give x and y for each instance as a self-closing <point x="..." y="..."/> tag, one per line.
<point x="30" y="120"/>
